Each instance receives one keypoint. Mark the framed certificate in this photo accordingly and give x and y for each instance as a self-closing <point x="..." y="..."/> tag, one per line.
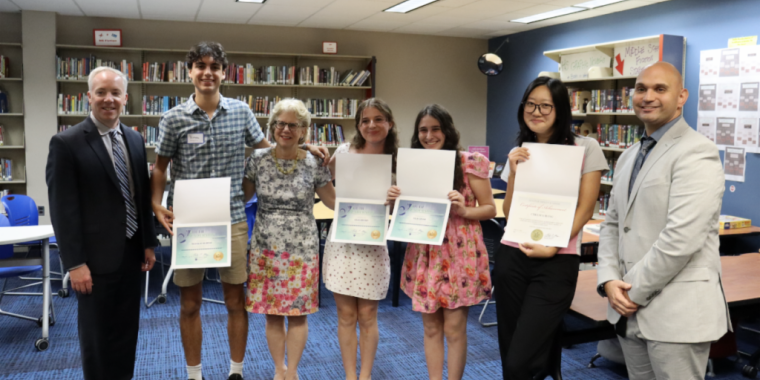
<point x="420" y="220"/>
<point x="360" y="221"/>
<point x="201" y="246"/>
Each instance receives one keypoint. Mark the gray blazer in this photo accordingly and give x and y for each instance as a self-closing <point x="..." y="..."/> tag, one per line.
<point x="664" y="239"/>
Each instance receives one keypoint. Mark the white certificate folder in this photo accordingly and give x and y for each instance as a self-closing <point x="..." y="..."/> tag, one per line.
<point x="545" y="196"/>
<point x="202" y="230"/>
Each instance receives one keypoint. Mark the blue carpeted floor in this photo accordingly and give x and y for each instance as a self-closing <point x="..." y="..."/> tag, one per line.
<point x="159" y="354"/>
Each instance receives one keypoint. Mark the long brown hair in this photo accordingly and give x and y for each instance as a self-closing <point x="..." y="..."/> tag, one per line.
<point x="391" y="140"/>
<point x="452" y="138"/>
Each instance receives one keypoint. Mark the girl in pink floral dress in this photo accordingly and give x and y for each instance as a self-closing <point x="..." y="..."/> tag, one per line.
<point x="444" y="281"/>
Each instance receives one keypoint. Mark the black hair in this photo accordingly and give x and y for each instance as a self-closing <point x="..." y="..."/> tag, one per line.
<point x="207" y="49"/>
<point x="449" y="131"/>
<point x="562" y="129"/>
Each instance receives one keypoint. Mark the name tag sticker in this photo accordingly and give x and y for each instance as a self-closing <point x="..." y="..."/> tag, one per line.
<point x="195" y="138"/>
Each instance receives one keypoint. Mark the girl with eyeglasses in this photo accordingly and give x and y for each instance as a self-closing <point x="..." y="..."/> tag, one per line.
<point x="283" y="280"/>
<point x="534" y="285"/>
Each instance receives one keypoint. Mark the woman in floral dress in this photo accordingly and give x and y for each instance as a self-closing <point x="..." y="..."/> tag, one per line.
<point x="444" y="281"/>
<point x="358" y="274"/>
<point x="284" y="259"/>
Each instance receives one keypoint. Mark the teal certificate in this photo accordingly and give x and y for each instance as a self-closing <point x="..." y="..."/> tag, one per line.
<point x="360" y="221"/>
<point x="201" y="246"/>
<point x="420" y="220"/>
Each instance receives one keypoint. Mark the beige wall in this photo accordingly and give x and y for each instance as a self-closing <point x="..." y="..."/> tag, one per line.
<point x="412" y="70"/>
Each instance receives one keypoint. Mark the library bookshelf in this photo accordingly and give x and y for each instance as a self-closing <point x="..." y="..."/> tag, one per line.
<point x="13" y="146"/>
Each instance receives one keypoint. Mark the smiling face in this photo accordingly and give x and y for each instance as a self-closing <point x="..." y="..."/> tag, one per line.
<point x="207" y="75"/>
<point x="537" y="122"/>
<point x="288" y="135"/>
<point x="107" y="97"/>
<point x="430" y="134"/>
<point x="659" y="95"/>
<point x="374" y="126"/>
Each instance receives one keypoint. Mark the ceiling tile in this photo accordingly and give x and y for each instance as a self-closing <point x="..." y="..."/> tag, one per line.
<point x="489" y="8"/>
<point x="270" y="14"/>
<point x="413" y="16"/>
<point x="419" y="28"/>
<point x="464" y="32"/>
<point x="227" y="11"/>
<point x="178" y="10"/>
<point x="326" y="21"/>
<point x="376" y="25"/>
<point x="108" y="8"/>
<point x="7" y="6"/>
<point x="489" y="24"/>
<point x="64" y="7"/>
<point x="534" y="10"/>
<point x="454" y="3"/>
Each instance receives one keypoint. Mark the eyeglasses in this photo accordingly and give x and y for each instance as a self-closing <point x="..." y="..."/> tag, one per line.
<point x="544" y="109"/>
<point x="280" y="125"/>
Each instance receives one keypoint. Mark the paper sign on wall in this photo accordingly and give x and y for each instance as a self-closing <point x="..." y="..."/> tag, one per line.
<point x="631" y="60"/>
<point x="575" y="66"/>
<point x="742" y="41"/>
<point x="734" y="164"/>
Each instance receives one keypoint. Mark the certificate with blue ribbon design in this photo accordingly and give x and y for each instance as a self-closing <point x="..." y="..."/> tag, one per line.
<point x="360" y="221"/>
<point x="419" y="220"/>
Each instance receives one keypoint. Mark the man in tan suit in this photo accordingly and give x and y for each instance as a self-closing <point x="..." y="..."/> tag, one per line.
<point x="659" y="264"/>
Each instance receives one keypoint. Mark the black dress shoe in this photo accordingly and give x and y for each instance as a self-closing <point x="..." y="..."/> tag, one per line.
<point x="235" y="376"/>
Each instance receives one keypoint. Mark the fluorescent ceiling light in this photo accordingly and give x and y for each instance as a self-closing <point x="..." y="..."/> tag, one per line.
<point x="409" y="5"/>
<point x="251" y="1"/>
<point x="597" y="3"/>
<point x="548" y="15"/>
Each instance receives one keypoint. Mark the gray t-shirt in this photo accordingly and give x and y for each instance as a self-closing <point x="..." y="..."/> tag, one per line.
<point x="593" y="160"/>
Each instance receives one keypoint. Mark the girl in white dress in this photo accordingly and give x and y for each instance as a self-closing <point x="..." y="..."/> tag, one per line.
<point x="357" y="274"/>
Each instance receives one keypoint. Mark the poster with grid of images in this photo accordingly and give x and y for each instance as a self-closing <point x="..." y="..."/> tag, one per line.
<point x="729" y="97"/>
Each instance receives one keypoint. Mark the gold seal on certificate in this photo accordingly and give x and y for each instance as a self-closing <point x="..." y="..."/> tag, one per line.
<point x="432" y="234"/>
<point x="376" y="234"/>
<point x="537" y="235"/>
<point x="218" y="256"/>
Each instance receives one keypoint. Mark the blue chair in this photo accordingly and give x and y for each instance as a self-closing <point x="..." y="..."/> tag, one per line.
<point x="6" y="272"/>
<point x="250" y="213"/>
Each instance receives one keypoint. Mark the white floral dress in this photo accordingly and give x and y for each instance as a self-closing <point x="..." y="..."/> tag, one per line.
<point x="284" y="260"/>
<point x="356" y="270"/>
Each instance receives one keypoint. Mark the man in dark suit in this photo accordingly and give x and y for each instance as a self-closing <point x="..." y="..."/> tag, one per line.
<point x="100" y="207"/>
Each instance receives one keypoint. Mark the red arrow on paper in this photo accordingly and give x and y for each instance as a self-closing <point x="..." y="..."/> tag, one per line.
<point x="620" y="64"/>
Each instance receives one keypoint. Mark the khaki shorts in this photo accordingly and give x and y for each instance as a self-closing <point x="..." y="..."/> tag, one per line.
<point x="237" y="273"/>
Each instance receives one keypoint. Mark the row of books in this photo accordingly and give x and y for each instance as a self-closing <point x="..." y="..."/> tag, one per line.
<point x="78" y="104"/>
<point x="80" y="68"/>
<point x="320" y="134"/>
<point x="4" y="106"/>
<point x="604" y="203"/>
<point x="613" y="100"/>
<point x="249" y="74"/>
<point x="5" y="66"/>
<point x="260" y="105"/>
<point x="579" y="99"/>
<point x="618" y="135"/>
<point x="2" y="135"/>
<point x="149" y="134"/>
<point x="612" y="163"/>
<point x="157" y="104"/>
<point x="332" y="107"/>
<point x="5" y="168"/>
<point x="165" y="72"/>
<point x="313" y="75"/>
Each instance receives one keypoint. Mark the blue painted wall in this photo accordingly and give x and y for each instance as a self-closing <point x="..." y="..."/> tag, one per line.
<point x="706" y="24"/>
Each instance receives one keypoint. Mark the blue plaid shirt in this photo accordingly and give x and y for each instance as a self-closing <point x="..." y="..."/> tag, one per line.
<point x="221" y="150"/>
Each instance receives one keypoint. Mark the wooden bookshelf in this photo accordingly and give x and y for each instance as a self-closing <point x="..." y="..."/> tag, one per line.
<point x="14" y="144"/>
<point x="138" y="88"/>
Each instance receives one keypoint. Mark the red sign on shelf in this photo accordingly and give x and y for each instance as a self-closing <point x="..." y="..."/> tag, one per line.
<point x="106" y="37"/>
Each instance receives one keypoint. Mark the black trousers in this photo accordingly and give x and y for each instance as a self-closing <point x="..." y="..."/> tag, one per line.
<point x="109" y="319"/>
<point x="532" y="297"/>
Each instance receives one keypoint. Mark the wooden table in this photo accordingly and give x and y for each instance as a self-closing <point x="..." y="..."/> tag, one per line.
<point x="741" y="284"/>
<point x="497" y="191"/>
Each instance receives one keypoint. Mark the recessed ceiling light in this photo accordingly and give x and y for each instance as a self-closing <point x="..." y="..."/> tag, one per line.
<point x="548" y="15"/>
<point x="251" y="1"/>
<point x="597" y="3"/>
<point x="408" y="6"/>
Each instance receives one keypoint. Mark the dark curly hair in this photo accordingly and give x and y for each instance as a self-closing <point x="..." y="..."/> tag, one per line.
<point x="562" y="130"/>
<point x="452" y="138"/>
<point x="214" y="50"/>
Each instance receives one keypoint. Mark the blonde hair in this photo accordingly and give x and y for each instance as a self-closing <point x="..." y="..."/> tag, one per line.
<point x="297" y="108"/>
<point x="101" y="69"/>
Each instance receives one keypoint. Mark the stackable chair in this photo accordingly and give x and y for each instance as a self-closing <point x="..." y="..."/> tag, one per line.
<point x="492" y="233"/>
<point x="7" y="272"/>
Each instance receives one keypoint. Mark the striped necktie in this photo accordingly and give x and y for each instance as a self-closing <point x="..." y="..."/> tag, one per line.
<point x="120" y="164"/>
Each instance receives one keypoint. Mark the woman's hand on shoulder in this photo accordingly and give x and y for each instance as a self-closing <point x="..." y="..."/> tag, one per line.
<point x="393" y="193"/>
<point x="515" y="156"/>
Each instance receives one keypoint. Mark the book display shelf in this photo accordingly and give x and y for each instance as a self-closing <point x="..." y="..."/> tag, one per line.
<point x="609" y="116"/>
<point x="12" y="149"/>
<point x="159" y="81"/>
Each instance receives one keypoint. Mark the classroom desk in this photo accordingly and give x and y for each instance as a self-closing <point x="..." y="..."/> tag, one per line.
<point x="497" y="191"/>
<point x="22" y="234"/>
<point x="741" y="285"/>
